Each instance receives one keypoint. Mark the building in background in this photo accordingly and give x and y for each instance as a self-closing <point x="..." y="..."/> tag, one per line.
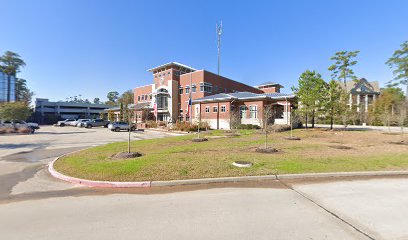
<point x="47" y="112"/>
<point x="7" y="87"/>
<point x="362" y="94"/>
<point x="174" y="83"/>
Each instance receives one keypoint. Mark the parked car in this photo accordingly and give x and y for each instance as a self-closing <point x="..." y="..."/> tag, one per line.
<point x="67" y="121"/>
<point x="19" y="124"/>
<point x="117" y="126"/>
<point x="96" y="123"/>
<point x="81" y="122"/>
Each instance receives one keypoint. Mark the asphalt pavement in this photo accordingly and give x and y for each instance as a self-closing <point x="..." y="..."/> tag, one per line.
<point x="33" y="205"/>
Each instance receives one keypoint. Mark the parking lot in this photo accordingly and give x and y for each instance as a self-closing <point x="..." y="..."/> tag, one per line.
<point x="23" y="158"/>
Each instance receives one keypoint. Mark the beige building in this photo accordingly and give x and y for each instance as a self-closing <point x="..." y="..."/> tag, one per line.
<point x="362" y="94"/>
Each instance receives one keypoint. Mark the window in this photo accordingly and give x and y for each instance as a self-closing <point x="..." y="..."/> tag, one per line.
<point x="142" y="97"/>
<point x="180" y="90"/>
<point x="207" y="109"/>
<point x="206" y="87"/>
<point x="253" y="111"/>
<point x="215" y="109"/>
<point x="223" y="108"/>
<point x="187" y="89"/>
<point x="215" y="89"/>
<point x="162" y="100"/>
<point x="150" y="97"/>
<point x="242" y="111"/>
<point x="193" y="88"/>
<point x="138" y="98"/>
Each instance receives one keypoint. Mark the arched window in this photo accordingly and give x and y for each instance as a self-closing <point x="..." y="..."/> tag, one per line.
<point x="162" y="98"/>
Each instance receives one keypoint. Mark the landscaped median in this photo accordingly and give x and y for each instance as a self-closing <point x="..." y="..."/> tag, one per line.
<point x="178" y="158"/>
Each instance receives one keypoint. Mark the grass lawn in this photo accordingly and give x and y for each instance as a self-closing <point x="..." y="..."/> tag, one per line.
<point x="179" y="158"/>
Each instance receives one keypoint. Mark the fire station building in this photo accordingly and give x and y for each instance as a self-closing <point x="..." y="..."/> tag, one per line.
<point x="214" y="97"/>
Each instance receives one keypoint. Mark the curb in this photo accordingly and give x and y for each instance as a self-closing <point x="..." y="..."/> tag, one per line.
<point x="90" y="183"/>
<point x="147" y="184"/>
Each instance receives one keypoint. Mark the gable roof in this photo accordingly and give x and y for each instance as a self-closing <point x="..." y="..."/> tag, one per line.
<point x="362" y="86"/>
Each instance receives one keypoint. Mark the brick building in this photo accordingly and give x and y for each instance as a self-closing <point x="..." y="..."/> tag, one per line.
<point x="173" y="82"/>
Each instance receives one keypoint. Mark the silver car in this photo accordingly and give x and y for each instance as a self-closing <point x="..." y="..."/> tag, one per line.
<point x="81" y="122"/>
<point x="117" y="126"/>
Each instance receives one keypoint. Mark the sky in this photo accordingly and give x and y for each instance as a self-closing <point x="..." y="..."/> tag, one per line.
<point x="91" y="47"/>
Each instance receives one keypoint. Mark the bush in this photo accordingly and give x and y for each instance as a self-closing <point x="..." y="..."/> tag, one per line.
<point x="188" y="127"/>
<point x="24" y="130"/>
<point x="248" y="126"/>
<point x="280" y="127"/>
<point x="151" y="124"/>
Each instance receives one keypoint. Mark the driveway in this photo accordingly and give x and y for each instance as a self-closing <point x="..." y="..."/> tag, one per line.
<point x="23" y="158"/>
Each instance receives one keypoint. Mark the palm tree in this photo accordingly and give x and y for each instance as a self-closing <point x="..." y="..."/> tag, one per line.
<point x="10" y="64"/>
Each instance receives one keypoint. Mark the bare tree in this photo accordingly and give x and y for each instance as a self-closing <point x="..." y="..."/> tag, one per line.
<point x="267" y="114"/>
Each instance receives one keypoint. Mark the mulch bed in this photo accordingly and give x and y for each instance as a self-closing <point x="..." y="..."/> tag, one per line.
<point x="199" y="139"/>
<point x="292" y="138"/>
<point x="341" y="147"/>
<point x="123" y="155"/>
<point x="402" y="142"/>
<point x="266" y="150"/>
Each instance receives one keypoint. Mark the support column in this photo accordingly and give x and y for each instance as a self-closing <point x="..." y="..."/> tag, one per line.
<point x="366" y="103"/>
<point x="358" y="103"/>
<point x="350" y="100"/>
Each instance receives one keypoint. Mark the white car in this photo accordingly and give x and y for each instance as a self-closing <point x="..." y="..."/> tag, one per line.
<point x="16" y="124"/>
<point x="65" y="122"/>
<point x="117" y="126"/>
<point x="80" y="122"/>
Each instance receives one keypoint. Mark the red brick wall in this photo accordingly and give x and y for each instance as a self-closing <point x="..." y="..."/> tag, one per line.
<point x="145" y="91"/>
<point x="271" y="90"/>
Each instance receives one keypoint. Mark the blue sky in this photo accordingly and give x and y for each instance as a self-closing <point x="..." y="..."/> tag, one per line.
<point x="91" y="47"/>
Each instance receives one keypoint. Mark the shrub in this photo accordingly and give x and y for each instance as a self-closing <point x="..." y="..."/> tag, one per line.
<point x="248" y="126"/>
<point x="151" y="124"/>
<point x="24" y="130"/>
<point x="280" y="127"/>
<point x="188" y="127"/>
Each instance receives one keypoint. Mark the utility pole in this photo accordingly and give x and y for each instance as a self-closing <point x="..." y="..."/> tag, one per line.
<point x="218" y="29"/>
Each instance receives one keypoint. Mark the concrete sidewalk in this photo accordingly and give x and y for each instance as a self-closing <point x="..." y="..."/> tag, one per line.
<point x="360" y="127"/>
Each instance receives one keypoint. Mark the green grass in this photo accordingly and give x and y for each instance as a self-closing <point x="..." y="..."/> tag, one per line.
<point x="179" y="158"/>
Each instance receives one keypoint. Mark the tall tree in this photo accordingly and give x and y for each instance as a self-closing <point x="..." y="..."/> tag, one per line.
<point x="341" y="69"/>
<point x="96" y="100"/>
<point x="331" y="100"/>
<point x="309" y="93"/>
<point x="22" y="92"/>
<point x="10" y="64"/>
<point x="342" y="72"/>
<point x="112" y="98"/>
<point x="399" y="61"/>
<point x="127" y="97"/>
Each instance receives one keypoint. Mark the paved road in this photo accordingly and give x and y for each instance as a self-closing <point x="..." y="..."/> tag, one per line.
<point x="33" y="205"/>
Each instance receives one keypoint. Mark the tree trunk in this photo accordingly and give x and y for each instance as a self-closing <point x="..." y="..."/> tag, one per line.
<point x="306" y="121"/>
<point x="313" y="118"/>
<point x="266" y="139"/>
<point x="331" y="119"/>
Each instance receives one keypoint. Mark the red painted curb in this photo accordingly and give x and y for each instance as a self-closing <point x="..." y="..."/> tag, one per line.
<point x="90" y="183"/>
